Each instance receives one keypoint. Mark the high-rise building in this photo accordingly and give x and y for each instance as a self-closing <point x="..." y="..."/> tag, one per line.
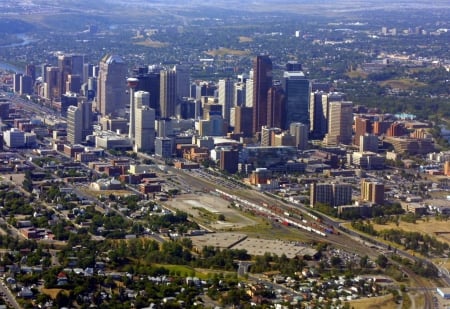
<point x="293" y="66"/>
<point x="340" y="123"/>
<point x="168" y="93"/>
<point x="276" y="103"/>
<point x="243" y="120"/>
<point x="145" y="129"/>
<point x="226" y="87"/>
<point x="331" y="194"/>
<point x="16" y="82"/>
<point x="163" y="147"/>
<point x="249" y="93"/>
<point x="229" y="159"/>
<point x="318" y="115"/>
<point x="298" y="90"/>
<point x="30" y="70"/>
<point x="362" y="126"/>
<point x="132" y="83"/>
<point x="52" y="90"/>
<point x="372" y="192"/>
<point x="268" y="135"/>
<point x="368" y="142"/>
<point x="111" y="88"/>
<point x="26" y="85"/>
<point x="73" y="83"/>
<point x="70" y="65"/>
<point x="150" y="81"/>
<point x="300" y="133"/>
<point x="183" y="82"/>
<point x="79" y="122"/>
<point x="240" y="94"/>
<point x="262" y="81"/>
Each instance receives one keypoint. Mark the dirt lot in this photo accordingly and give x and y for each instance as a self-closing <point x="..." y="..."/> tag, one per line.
<point x="211" y="211"/>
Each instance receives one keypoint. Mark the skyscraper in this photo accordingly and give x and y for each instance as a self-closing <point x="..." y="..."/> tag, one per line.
<point x="145" y="129"/>
<point x="318" y="112"/>
<point x="183" y="83"/>
<point x="300" y="133"/>
<point x="168" y="93"/>
<point x="53" y="82"/>
<point x="276" y="100"/>
<point x="298" y="90"/>
<point x="340" y="123"/>
<point x="79" y="124"/>
<point x="243" y="120"/>
<point x="70" y="65"/>
<point x="226" y="88"/>
<point x="111" y="89"/>
<point x="262" y="81"/>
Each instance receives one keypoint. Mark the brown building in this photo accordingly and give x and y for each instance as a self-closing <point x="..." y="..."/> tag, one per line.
<point x="372" y="192"/>
<point x="362" y="127"/>
<point x="262" y="81"/>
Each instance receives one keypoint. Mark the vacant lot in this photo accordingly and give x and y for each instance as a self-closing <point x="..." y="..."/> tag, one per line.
<point x="402" y="84"/>
<point x="227" y="51"/>
<point x="432" y="227"/>
<point x="211" y="211"/>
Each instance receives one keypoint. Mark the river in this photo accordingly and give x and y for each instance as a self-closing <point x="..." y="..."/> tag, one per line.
<point x="9" y="67"/>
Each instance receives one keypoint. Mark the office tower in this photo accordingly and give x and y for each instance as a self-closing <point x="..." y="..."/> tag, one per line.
<point x="53" y="81"/>
<point x="4" y="110"/>
<point x="283" y="139"/>
<point x="318" y="115"/>
<point x="26" y="85"/>
<point x="16" y="82"/>
<point x="70" y="65"/>
<point x="144" y="129"/>
<point x="300" y="133"/>
<point x="240" y="94"/>
<point x="212" y="110"/>
<point x="268" y="135"/>
<point x="331" y="194"/>
<point x="88" y="71"/>
<point x="293" y="66"/>
<point x="362" y="126"/>
<point x="298" y="90"/>
<point x="132" y="83"/>
<point x="79" y="122"/>
<point x="30" y="70"/>
<point x="243" y="120"/>
<point x="141" y="98"/>
<point x="73" y="83"/>
<point x="213" y="126"/>
<point x="111" y="87"/>
<point x="340" y="123"/>
<point x="229" y="159"/>
<point x="249" y="93"/>
<point x="150" y="81"/>
<point x="183" y="82"/>
<point x="262" y="81"/>
<point x="368" y="142"/>
<point x="168" y="93"/>
<point x="226" y="88"/>
<point x="67" y="100"/>
<point x="163" y="147"/>
<point x="188" y="108"/>
<point x="276" y="103"/>
<point x="372" y="192"/>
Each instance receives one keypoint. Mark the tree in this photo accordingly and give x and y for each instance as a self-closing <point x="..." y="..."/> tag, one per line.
<point x="382" y="261"/>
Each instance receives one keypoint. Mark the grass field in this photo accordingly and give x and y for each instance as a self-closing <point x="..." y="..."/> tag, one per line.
<point x="227" y="51"/>
<point x="186" y="271"/>
<point x="357" y="74"/>
<point x="151" y="43"/>
<point x="382" y="302"/>
<point x="430" y="227"/>
<point x="53" y="292"/>
<point x="403" y="84"/>
<point x="245" y="39"/>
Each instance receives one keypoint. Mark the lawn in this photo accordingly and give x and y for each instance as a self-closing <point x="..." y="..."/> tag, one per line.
<point x="227" y="51"/>
<point x="382" y="302"/>
<point x="187" y="271"/>
<point x="403" y="84"/>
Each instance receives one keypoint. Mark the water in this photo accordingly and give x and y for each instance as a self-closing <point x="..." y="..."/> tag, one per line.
<point x="9" y="67"/>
